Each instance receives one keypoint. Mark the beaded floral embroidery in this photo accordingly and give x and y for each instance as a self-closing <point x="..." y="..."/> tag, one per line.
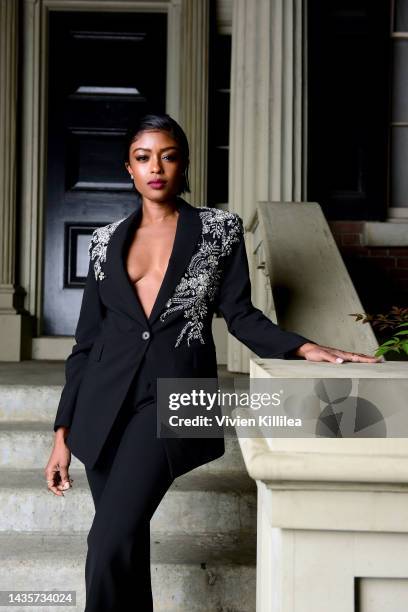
<point x="199" y="284"/>
<point x="97" y="246"/>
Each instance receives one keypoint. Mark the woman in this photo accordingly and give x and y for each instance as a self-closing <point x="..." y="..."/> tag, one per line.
<point x="155" y="279"/>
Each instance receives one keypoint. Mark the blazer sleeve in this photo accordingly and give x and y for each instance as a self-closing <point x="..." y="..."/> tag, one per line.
<point x="244" y="321"/>
<point x="88" y="327"/>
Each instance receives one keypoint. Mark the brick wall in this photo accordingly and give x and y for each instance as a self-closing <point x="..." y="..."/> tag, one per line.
<point x="379" y="274"/>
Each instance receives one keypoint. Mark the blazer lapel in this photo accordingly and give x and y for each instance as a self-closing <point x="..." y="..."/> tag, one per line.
<point x="188" y="231"/>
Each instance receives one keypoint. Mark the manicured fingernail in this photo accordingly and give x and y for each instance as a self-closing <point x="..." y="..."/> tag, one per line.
<point x="339" y="360"/>
<point x="66" y="485"/>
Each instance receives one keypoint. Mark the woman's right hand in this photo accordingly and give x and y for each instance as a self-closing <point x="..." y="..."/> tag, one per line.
<point x="56" y="470"/>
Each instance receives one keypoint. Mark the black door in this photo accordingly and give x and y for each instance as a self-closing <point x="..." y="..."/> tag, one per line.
<point x="104" y="70"/>
<point x="348" y="82"/>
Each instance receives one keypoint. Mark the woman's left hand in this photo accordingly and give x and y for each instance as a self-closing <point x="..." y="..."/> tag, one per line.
<point x="316" y="352"/>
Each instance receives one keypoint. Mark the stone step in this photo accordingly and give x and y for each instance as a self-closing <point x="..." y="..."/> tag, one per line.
<point x="166" y="547"/>
<point x="28" y="445"/>
<point x="33" y="393"/>
<point x="29" y="402"/>
<point x="27" y="506"/>
<point x="203" y="534"/>
<point x="189" y="573"/>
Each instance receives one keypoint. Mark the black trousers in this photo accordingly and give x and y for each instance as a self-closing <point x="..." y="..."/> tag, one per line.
<point x="127" y="484"/>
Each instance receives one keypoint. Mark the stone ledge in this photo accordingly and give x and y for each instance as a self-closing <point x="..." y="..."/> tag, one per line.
<point x="377" y="461"/>
<point x="389" y="234"/>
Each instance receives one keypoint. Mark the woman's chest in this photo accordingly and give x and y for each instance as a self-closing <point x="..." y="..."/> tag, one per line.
<point x="149" y="252"/>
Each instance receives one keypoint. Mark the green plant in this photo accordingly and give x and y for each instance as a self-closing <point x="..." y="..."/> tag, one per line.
<point x="394" y="319"/>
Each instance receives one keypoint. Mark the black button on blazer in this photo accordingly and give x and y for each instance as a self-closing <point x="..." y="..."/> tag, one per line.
<point x="207" y="270"/>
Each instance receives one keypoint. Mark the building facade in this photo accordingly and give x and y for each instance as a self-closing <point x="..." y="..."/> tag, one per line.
<point x="281" y="100"/>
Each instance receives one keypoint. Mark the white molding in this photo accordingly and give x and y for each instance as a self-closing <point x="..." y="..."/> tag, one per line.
<point x="194" y="92"/>
<point x="106" y="5"/>
<point x="376" y="233"/>
<point x="268" y="111"/>
<point x="397" y="212"/>
<point x="32" y="156"/>
<point x="173" y="85"/>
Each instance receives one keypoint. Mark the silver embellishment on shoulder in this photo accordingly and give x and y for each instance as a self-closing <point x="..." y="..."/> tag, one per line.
<point x="97" y="247"/>
<point x="198" y="286"/>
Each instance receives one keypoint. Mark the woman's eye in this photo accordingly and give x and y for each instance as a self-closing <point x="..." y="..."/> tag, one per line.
<point x="168" y="157"/>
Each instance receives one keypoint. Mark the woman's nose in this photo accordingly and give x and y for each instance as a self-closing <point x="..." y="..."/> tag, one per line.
<point x="156" y="166"/>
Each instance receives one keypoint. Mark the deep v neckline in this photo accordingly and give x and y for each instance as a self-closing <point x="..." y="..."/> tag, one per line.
<point x="124" y="261"/>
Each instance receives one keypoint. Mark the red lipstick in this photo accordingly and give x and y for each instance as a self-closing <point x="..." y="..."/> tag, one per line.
<point x="157" y="183"/>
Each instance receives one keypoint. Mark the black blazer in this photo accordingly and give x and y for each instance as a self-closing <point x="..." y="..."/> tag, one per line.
<point x="207" y="270"/>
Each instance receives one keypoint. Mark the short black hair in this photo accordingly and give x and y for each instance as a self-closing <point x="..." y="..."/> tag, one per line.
<point x="160" y="122"/>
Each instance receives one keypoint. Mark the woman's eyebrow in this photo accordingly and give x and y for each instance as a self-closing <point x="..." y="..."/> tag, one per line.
<point x="146" y="149"/>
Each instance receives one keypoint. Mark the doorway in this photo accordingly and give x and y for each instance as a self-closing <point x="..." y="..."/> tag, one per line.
<point x="104" y="69"/>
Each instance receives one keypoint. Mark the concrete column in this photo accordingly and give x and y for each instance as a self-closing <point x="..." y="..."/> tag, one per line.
<point x="267" y="129"/>
<point x="11" y="296"/>
<point x="194" y="93"/>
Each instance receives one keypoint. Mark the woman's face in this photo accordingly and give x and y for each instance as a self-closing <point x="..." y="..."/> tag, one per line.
<point x="156" y="156"/>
